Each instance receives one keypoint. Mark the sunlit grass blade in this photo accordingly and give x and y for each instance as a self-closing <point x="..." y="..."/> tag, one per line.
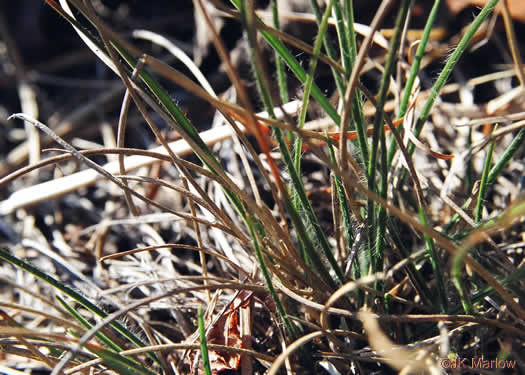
<point x="509" y="153"/>
<point x="309" y="82"/>
<point x="204" y="345"/>
<point x="282" y="79"/>
<point x="8" y="257"/>
<point x="330" y="51"/>
<point x="101" y="336"/>
<point x="414" y="71"/>
<point x="121" y="364"/>
<point x="297" y="69"/>
<point x="448" y="68"/>
<point x="358" y="118"/>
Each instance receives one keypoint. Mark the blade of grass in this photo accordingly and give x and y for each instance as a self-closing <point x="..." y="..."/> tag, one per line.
<point x="345" y="213"/>
<point x="102" y="337"/>
<point x="414" y="70"/>
<point x="296" y="68"/>
<point x="376" y="232"/>
<point x="329" y="48"/>
<point x="343" y="36"/>
<point x="509" y="153"/>
<point x="488" y="291"/>
<point x="351" y="89"/>
<point x="516" y="210"/>
<point x="313" y="221"/>
<point x="436" y="268"/>
<point x="120" y="364"/>
<point x="358" y="118"/>
<point x="6" y="256"/>
<point x="282" y="78"/>
<point x="320" y="37"/>
<point x="175" y="113"/>
<point x="483" y="185"/>
<point x="445" y="73"/>
<point x="253" y="224"/>
<point x="297" y="184"/>
<point x="204" y="345"/>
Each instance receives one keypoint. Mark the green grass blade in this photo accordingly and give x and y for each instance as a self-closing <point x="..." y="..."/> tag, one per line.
<point x="449" y="67"/>
<point x="420" y="52"/>
<point x="297" y="184"/>
<point x="102" y="337"/>
<point x="120" y="364"/>
<point x="483" y="185"/>
<point x="309" y="82"/>
<point x="345" y="211"/>
<point x="509" y="153"/>
<point x="358" y="117"/>
<point x="343" y="38"/>
<point x="434" y="261"/>
<point x="8" y="257"/>
<point x="247" y="15"/>
<point x="329" y="48"/>
<point x="513" y="278"/>
<point x="377" y="229"/>
<point x="309" y="247"/>
<point x="457" y="265"/>
<point x="311" y="219"/>
<point x="279" y="63"/>
<point x="297" y="69"/>
<point x="204" y="344"/>
<point x="414" y="70"/>
<point x="350" y="30"/>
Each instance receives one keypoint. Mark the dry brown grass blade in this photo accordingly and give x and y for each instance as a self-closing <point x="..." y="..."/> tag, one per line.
<point x="61" y="186"/>
<point x="43" y="314"/>
<point x="263" y="358"/>
<point x="32" y="348"/>
<point x="262" y="139"/>
<point x="398" y="357"/>
<point x="178" y="246"/>
<point x="65" y="126"/>
<point x="59" y="368"/>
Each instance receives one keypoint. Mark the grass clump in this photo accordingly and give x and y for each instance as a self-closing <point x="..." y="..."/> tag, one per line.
<point x="317" y="242"/>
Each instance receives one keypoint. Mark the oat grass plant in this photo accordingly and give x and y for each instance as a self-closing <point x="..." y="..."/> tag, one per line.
<point x="406" y="269"/>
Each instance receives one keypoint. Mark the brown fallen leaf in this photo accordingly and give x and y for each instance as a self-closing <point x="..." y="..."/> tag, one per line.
<point x="225" y="331"/>
<point x="516" y="7"/>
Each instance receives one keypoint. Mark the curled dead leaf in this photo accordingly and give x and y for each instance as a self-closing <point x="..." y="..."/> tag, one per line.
<point x="225" y="331"/>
